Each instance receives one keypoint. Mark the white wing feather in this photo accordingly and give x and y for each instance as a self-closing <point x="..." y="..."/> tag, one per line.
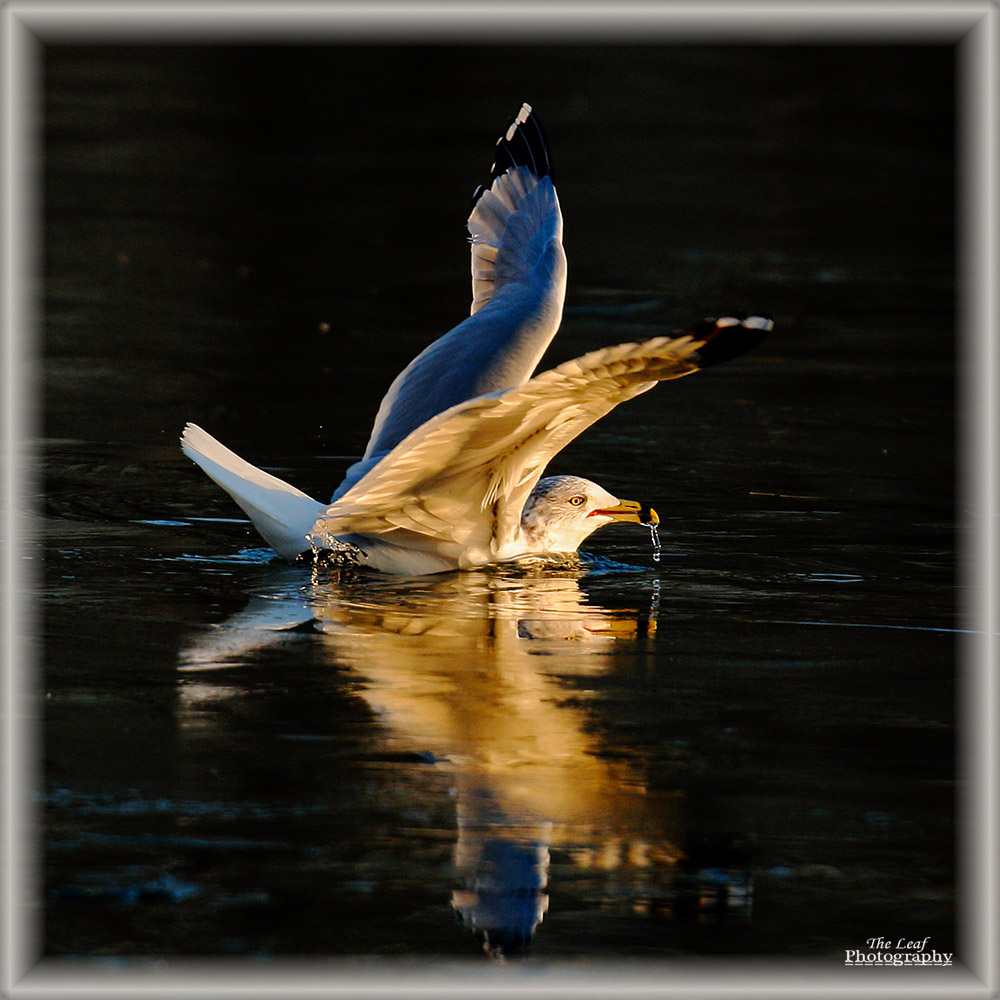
<point x="509" y="229"/>
<point x="460" y="481"/>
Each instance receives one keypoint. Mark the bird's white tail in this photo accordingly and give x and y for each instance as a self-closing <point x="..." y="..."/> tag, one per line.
<point x="283" y="514"/>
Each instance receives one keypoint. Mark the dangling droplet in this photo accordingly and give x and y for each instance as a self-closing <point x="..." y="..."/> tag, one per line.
<point x="654" y="534"/>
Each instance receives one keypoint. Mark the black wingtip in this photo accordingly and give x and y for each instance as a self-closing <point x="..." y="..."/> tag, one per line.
<point x="523" y="144"/>
<point x="727" y="337"/>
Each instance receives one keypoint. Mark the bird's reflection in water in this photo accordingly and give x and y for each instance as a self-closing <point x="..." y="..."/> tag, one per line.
<point x="466" y="670"/>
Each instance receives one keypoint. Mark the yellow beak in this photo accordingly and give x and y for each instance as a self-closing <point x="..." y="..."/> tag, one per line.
<point x="629" y="510"/>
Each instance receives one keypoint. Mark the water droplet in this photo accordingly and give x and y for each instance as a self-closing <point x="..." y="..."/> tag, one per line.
<point x="654" y="602"/>
<point x="654" y="534"/>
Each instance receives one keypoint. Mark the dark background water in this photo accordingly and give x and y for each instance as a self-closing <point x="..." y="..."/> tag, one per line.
<point x="257" y="238"/>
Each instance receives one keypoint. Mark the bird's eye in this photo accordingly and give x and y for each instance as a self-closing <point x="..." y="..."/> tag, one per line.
<point x="576" y="501"/>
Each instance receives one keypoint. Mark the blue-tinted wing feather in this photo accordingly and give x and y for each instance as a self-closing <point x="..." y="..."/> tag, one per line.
<point x="518" y="287"/>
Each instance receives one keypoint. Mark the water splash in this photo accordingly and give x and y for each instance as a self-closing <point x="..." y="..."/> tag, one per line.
<point x="327" y="546"/>
<point x="320" y="541"/>
<point x="332" y="554"/>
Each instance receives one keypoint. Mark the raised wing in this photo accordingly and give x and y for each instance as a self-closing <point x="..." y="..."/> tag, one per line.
<point x="518" y="287"/>
<point x="458" y="483"/>
<point x="513" y="219"/>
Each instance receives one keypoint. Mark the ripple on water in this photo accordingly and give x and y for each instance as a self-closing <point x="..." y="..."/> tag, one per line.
<point x="830" y="577"/>
<point x="244" y="557"/>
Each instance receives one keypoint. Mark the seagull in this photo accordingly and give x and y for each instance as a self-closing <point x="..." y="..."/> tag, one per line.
<point x="452" y="476"/>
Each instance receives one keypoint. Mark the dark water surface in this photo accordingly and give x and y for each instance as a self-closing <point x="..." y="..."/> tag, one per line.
<point x="747" y="747"/>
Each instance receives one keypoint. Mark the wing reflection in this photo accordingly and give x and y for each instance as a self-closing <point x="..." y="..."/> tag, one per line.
<point x="469" y="670"/>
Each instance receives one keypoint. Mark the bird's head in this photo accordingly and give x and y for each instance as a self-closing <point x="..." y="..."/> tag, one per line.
<point x="562" y="511"/>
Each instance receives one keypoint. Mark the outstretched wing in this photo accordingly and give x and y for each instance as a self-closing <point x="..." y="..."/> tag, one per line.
<point x="514" y="218"/>
<point x="458" y="483"/>
<point x="518" y="287"/>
